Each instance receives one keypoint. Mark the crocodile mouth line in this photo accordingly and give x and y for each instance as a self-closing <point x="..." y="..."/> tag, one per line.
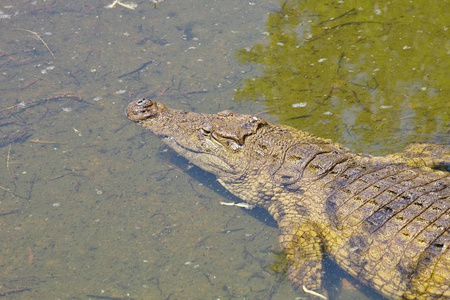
<point x="170" y="140"/>
<point x="180" y="149"/>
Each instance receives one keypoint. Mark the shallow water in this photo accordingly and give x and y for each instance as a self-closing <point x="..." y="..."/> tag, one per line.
<point x="93" y="207"/>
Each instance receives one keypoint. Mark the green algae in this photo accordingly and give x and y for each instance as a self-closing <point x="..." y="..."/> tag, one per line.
<point x="356" y="71"/>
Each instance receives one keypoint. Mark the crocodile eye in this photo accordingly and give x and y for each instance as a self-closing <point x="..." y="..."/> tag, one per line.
<point x="206" y="130"/>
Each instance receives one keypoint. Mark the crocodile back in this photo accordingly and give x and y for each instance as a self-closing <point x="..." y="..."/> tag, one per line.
<point x="393" y="228"/>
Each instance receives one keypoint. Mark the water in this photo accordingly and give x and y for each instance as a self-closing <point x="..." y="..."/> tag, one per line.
<point x="371" y="76"/>
<point x="92" y="207"/>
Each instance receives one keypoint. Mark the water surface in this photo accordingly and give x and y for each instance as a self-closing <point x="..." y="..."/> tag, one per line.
<point x="93" y="207"/>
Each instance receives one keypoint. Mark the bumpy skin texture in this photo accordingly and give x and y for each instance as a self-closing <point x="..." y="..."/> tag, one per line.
<point x="428" y="155"/>
<point x="384" y="222"/>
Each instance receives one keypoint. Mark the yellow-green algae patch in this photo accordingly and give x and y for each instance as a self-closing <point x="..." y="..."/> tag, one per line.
<point x="356" y="71"/>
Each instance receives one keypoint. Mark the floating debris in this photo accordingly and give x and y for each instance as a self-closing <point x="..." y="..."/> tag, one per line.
<point x="313" y="293"/>
<point x="4" y="16"/>
<point x="129" y="5"/>
<point x="299" y="104"/>
<point x="155" y="2"/>
<point x="49" y="68"/>
<point x="241" y="204"/>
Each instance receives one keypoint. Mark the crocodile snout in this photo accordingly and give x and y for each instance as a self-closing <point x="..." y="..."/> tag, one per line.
<point x="142" y="109"/>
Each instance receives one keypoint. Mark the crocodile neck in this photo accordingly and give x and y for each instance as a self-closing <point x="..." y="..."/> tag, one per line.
<point x="293" y="177"/>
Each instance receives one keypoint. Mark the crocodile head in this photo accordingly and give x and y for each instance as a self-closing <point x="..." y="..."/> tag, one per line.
<point x="217" y="143"/>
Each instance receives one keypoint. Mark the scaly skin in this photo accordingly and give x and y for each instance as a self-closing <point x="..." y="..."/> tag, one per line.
<point x="384" y="222"/>
<point x="435" y="156"/>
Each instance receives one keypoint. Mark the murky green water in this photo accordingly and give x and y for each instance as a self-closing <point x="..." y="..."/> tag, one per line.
<point x="370" y="74"/>
<point x="92" y="207"/>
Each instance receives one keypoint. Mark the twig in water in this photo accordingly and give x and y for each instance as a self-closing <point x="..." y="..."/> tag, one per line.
<point x="313" y="293"/>
<point x="5" y="189"/>
<point x="37" y="35"/>
<point x="131" y="6"/>
<point x="241" y="204"/>
<point x="7" y="158"/>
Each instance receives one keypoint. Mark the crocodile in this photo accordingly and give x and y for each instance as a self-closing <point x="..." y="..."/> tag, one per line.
<point x="384" y="222"/>
<point x="431" y="155"/>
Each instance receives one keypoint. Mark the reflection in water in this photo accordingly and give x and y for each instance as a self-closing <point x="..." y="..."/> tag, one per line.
<point x="355" y="72"/>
